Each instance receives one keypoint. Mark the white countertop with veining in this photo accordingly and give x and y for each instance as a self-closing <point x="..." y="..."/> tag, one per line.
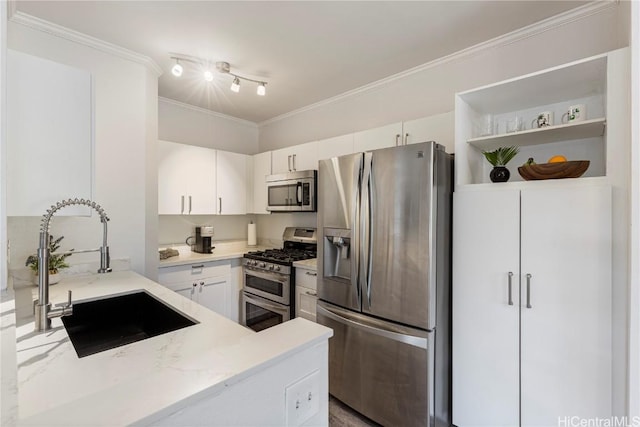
<point x="140" y="382"/>
<point x="309" y="264"/>
<point x="221" y="252"/>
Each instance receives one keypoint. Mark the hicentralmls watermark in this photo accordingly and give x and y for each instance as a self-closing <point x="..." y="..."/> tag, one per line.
<point x="575" y="421"/>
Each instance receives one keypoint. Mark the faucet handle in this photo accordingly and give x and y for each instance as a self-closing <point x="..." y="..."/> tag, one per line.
<point x="66" y="304"/>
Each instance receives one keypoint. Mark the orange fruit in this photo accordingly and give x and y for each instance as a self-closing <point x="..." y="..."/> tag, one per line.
<point x="557" y="159"/>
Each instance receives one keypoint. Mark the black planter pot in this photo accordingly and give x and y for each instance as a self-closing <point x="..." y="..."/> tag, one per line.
<point x="499" y="174"/>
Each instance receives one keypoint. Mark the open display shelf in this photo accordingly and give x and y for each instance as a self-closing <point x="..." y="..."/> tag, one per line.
<point x="546" y="135"/>
<point x="592" y="82"/>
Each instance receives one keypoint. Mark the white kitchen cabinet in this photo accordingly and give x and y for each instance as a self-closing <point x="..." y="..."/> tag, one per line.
<point x="231" y="182"/>
<point x="306" y="293"/>
<point x="381" y="137"/>
<point x="438" y="128"/>
<point x="546" y="339"/>
<point x="335" y="147"/>
<point x="186" y="179"/>
<point x="297" y="158"/>
<point x="209" y="284"/>
<point x="49" y="135"/>
<point x="261" y="168"/>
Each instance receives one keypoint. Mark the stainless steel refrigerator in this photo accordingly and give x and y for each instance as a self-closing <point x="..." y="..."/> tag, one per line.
<point x="384" y="278"/>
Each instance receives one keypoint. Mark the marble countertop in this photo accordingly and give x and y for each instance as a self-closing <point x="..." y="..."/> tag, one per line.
<point x="221" y="252"/>
<point x="309" y="264"/>
<point x="140" y="382"/>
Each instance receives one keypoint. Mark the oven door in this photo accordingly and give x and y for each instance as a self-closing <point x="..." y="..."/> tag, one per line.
<point x="270" y="285"/>
<point x="259" y="313"/>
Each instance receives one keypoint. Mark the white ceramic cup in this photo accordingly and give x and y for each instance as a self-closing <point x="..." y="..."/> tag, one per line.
<point x="575" y="113"/>
<point x="542" y="120"/>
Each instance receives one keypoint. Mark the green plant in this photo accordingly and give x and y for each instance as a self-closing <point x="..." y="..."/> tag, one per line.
<point x="56" y="261"/>
<point x="501" y="156"/>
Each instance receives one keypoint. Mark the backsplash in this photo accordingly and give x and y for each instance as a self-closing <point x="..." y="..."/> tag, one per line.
<point x="174" y="229"/>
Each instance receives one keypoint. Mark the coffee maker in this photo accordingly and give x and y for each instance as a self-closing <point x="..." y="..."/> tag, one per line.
<point x="203" y="237"/>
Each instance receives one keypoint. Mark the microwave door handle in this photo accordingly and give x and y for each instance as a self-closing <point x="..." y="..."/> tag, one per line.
<point x="299" y="193"/>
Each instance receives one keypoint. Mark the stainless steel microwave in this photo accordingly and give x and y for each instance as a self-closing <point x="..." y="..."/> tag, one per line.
<point x="292" y="192"/>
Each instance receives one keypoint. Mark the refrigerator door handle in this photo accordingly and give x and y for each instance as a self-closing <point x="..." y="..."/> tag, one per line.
<point x="365" y="225"/>
<point x="343" y="317"/>
<point x="355" y="258"/>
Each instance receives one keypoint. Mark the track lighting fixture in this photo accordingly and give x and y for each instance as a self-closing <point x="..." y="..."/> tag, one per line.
<point x="221" y="67"/>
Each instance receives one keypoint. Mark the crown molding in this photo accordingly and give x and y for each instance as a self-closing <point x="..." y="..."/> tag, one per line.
<point x="207" y="112"/>
<point x="532" y="30"/>
<point x="84" y="39"/>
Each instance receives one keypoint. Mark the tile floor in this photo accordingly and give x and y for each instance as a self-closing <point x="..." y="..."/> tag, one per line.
<point x="340" y="415"/>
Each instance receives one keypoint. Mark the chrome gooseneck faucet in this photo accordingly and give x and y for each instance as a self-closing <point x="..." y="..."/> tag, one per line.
<point x="43" y="311"/>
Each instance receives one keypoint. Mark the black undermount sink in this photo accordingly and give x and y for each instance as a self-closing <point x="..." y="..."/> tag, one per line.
<point x="112" y="322"/>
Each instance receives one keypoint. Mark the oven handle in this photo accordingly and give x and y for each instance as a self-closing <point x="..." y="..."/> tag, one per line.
<point x="276" y="308"/>
<point x="272" y="275"/>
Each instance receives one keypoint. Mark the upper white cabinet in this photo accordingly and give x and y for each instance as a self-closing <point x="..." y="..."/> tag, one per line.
<point x="381" y="137"/>
<point x="186" y="179"/>
<point x="297" y="158"/>
<point x="485" y="117"/>
<point x="49" y="135"/>
<point x="231" y="182"/>
<point x="261" y="168"/>
<point x="531" y="305"/>
<point x="438" y="128"/>
<point x="335" y="147"/>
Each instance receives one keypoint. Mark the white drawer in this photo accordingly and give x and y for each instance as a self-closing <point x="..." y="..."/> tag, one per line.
<point x="306" y="278"/>
<point x="306" y="300"/>
<point x="195" y="271"/>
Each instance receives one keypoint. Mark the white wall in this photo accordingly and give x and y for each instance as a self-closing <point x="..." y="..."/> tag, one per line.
<point x="3" y="147"/>
<point x="191" y="125"/>
<point x="634" y="291"/>
<point x="174" y="229"/>
<point x="125" y="94"/>
<point x="269" y="228"/>
<point x="429" y="89"/>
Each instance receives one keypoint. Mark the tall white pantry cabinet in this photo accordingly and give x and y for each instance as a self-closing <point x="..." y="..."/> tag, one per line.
<point x="532" y="260"/>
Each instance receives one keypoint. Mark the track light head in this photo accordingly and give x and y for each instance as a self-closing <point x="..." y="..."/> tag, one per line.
<point x="262" y="90"/>
<point x="235" y="86"/>
<point x="177" y="69"/>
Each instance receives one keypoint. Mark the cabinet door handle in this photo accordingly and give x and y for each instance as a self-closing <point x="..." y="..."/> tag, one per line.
<point x="197" y="266"/>
<point x="201" y="286"/>
<point x="510" y="297"/>
<point x="289" y="162"/>
<point x="406" y="138"/>
<point x="310" y="273"/>
<point x="397" y="139"/>
<point x="181" y="205"/>
<point x="294" y="162"/>
<point x="189" y="204"/>
<point x="193" y="288"/>
<point x="529" y="290"/>
<point x="220" y="210"/>
<point x="313" y="294"/>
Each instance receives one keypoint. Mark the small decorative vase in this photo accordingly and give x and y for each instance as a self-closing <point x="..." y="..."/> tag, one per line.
<point x="499" y="174"/>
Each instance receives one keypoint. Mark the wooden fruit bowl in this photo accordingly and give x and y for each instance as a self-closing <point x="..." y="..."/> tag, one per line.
<point x="572" y="169"/>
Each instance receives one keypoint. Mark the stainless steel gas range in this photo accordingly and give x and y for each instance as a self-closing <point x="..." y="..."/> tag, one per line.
<point x="268" y="295"/>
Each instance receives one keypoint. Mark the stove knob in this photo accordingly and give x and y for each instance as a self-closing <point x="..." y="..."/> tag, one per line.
<point x="271" y="267"/>
<point x="262" y="265"/>
<point x="277" y="268"/>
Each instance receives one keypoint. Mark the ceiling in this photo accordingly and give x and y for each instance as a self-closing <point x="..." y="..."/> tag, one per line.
<point x="307" y="51"/>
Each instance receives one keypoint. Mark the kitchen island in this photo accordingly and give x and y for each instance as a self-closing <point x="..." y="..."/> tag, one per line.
<point x="205" y="374"/>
